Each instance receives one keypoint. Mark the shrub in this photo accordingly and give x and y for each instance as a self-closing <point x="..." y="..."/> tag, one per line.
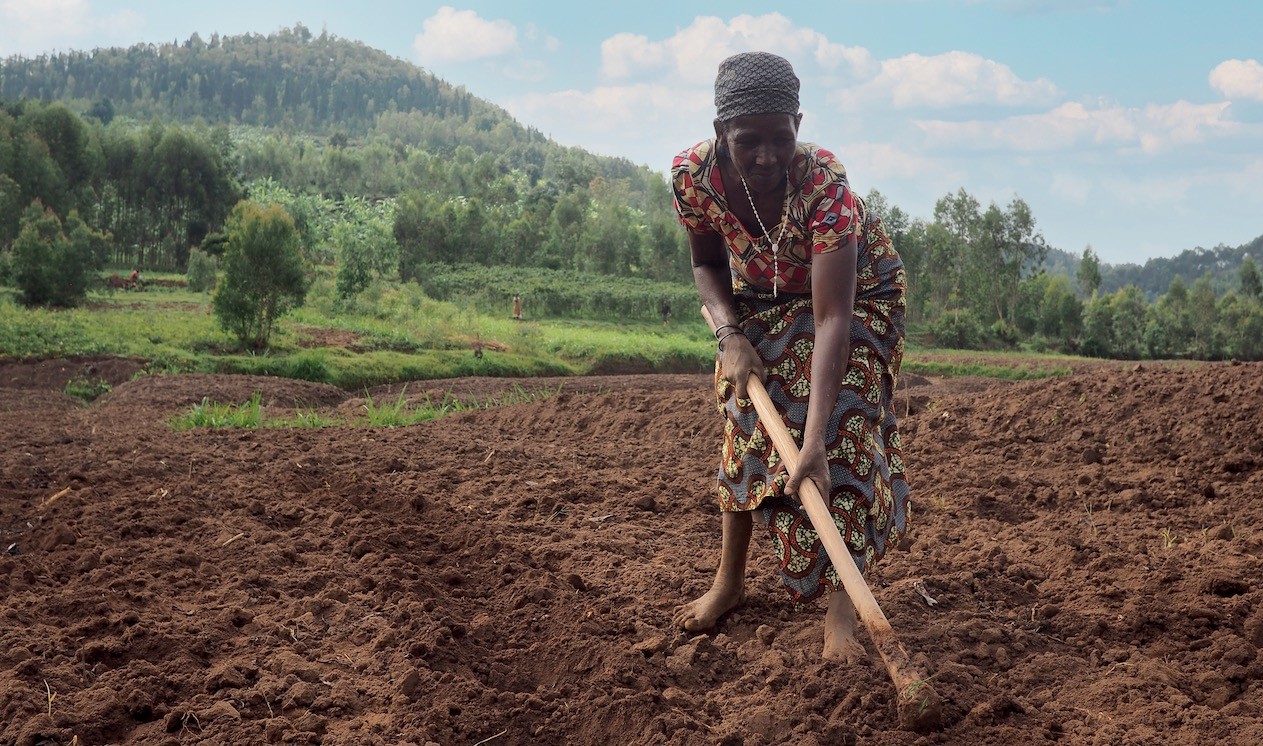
<point x="52" y="263"/>
<point x="203" y="271"/>
<point x="263" y="272"/>
<point x="959" y="329"/>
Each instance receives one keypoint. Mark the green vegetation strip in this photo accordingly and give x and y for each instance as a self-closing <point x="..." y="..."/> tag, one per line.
<point x="1018" y="371"/>
<point x="401" y="335"/>
<point x="396" y="413"/>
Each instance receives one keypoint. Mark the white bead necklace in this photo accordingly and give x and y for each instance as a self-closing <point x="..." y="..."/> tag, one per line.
<point x="775" y="245"/>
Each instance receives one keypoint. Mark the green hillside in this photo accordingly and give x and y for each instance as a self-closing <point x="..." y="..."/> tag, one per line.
<point x="289" y="79"/>
<point x="137" y="156"/>
<point x="153" y="144"/>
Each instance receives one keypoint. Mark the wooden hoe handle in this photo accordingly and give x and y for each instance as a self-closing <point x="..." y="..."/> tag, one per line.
<point x="919" y="705"/>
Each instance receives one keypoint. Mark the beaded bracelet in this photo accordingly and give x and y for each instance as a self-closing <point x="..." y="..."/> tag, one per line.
<point x="726" y="326"/>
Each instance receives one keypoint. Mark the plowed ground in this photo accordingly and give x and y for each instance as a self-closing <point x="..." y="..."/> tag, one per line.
<point x="1092" y="546"/>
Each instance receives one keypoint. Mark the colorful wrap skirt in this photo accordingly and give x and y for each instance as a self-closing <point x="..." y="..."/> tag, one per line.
<point x="869" y="499"/>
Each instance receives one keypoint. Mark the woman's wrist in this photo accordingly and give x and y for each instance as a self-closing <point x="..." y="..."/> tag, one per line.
<point x="733" y="333"/>
<point x="813" y="444"/>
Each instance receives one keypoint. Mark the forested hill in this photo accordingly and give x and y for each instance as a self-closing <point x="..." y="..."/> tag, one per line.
<point x="1221" y="264"/>
<point x="120" y="135"/>
<point x="289" y="80"/>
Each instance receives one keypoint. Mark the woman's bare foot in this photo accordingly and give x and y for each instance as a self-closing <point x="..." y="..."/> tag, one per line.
<point x="701" y="614"/>
<point x="728" y="591"/>
<point x="840" y="643"/>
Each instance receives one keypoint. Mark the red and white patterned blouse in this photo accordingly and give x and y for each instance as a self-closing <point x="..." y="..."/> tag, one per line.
<point x="822" y="213"/>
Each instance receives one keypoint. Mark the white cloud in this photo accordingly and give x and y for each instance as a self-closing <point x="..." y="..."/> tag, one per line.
<point x="881" y="162"/>
<point x="452" y="35"/>
<point x="536" y="34"/>
<point x="1246" y="180"/>
<point x="647" y="123"/>
<point x="693" y="54"/>
<point x="1151" y="129"/>
<point x="1074" y="188"/>
<point x="947" y="80"/>
<point x="608" y="108"/>
<point x="46" y="16"/>
<point x="1238" y="79"/>
<point x="1165" y="189"/>
<point x="123" y="24"/>
<point x="36" y="26"/>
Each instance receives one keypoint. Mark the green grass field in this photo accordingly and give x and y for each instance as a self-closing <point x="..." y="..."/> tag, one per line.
<point x="396" y="333"/>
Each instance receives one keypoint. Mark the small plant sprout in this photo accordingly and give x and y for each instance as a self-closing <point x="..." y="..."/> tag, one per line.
<point x="1168" y="538"/>
<point x="51" y="697"/>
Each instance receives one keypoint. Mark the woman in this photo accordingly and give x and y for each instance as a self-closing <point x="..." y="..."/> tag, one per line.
<point x="807" y="292"/>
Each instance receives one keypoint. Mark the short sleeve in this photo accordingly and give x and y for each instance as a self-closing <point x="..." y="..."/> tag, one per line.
<point x="833" y="218"/>
<point x="689" y="209"/>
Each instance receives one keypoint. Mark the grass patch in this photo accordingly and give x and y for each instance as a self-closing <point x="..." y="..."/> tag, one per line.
<point x="1019" y="371"/>
<point x="392" y="413"/>
<point x="401" y="414"/>
<point x="86" y="389"/>
<point x="305" y="419"/>
<point x="209" y="413"/>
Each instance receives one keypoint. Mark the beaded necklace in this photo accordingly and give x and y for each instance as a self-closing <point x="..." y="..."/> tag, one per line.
<point x="774" y="245"/>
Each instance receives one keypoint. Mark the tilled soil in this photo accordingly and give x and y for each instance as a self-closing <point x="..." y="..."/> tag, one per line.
<point x="1083" y="567"/>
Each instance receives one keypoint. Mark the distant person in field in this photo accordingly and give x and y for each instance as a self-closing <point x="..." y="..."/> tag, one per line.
<point x="806" y="292"/>
<point x="517" y="306"/>
<point x="136" y="279"/>
<point x="665" y="310"/>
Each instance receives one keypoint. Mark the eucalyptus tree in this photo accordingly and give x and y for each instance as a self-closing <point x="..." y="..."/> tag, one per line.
<point x="1251" y="285"/>
<point x="1089" y="272"/>
<point x="1006" y="247"/>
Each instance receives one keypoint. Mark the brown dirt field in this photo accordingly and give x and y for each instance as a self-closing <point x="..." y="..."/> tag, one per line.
<point x="506" y="576"/>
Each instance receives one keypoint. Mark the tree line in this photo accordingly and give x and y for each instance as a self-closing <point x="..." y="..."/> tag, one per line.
<point x="978" y="280"/>
<point x="393" y="195"/>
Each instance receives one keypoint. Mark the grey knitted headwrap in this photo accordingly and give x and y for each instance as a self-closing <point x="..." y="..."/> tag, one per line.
<point x="755" y="83"/>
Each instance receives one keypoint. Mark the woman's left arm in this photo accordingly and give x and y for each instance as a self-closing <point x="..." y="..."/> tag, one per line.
<point x="833" y="304"/>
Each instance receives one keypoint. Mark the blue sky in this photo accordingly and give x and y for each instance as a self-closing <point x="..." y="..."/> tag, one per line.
<point x="1133" y="126"/>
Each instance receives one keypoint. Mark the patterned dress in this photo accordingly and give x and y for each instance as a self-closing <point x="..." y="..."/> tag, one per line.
<point x="869" y="499"/>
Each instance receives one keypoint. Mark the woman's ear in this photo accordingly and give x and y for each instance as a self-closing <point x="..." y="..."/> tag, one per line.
<point x="798" y="121"/>
<point x="719" y="129"/>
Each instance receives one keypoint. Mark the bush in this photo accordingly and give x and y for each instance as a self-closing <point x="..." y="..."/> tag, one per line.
<point x="1005" y="333"/>
<point x="263" y="272"/>
<point x="959" y="329"/>
<point x="52" y="263"/>
<point x="203" y="271"/>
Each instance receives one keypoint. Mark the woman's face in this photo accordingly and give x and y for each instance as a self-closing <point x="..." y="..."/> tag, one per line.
<point x="761" y="147"/>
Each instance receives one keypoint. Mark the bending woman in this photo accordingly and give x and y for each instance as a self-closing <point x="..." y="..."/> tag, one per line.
<point x="807" y="292"/>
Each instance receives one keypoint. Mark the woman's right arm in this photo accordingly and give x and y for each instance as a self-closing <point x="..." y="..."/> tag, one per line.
<point x="738" y="358"/>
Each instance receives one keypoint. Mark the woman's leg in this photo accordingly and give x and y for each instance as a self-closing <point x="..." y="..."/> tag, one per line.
<point x="728" y="590"/>
<point x="840" y="643"/>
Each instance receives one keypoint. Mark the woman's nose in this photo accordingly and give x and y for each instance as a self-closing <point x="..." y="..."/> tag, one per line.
<point x="765" y="155"/>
